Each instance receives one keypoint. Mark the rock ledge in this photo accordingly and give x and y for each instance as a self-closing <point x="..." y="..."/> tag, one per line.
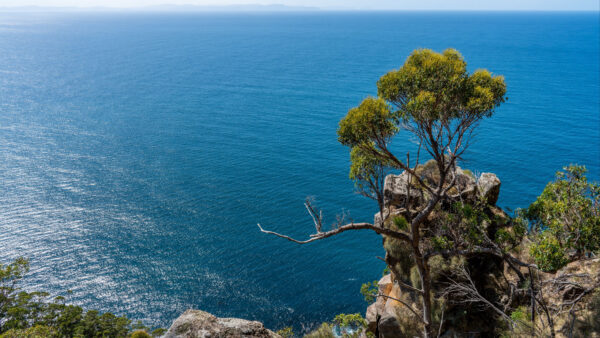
<point x="196" y="324"/>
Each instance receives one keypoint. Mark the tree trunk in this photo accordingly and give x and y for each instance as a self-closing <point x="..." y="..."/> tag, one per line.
<point x="426" y="286"/>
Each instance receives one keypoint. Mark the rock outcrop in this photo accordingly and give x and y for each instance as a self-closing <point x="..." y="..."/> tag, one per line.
<point x="569" y="299"/>
<point x="388" y="317"/>
<point x="199" y="324"/>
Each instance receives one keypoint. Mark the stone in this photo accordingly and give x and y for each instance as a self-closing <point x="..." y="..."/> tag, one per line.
<point x="395" y="191"/>
<point x="199" y="324"/>
<point x="389" y="326"/>
<point x="385" y="284"/>
<point x="392" y="304"/>
<point x="372" y="316"/>
<point x="488" y="187"/>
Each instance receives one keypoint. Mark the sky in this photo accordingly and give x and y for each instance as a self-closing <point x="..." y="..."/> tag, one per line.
<point x="540" y="5"/>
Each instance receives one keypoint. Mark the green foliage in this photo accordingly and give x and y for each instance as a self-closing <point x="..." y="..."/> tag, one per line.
<point x="471" y="221"/>
<point x="524" y="327"/>
<point x="344" y="325"/>
<point x="324" y="331"/>
<point x="368" y="171"/>
<point x="520" y="314"/>
<point x="468" y="172"/>
<point x="369" y="291"/>
<point x="400" y="222"/>
<point x="140" y="334"/>
<point x="429" y="87"/>
<point x="354" y="320"/>
<point x="32" y="314"/>
<point x="569" y="211"/>
<point x="158" y="332"/>
<point x="548" y="254"/>
<point x="441" y="243"/>
<point x="349" y="325"/>
<point x="511" y="236"/>
<point x="371" y="120"/>
<point x="37" y="331"/>
<point x="435" y="86"/>
<point x="286" y="332"/>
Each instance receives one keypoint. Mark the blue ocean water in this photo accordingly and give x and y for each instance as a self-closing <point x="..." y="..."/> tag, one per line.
<point x="138" y="151"/>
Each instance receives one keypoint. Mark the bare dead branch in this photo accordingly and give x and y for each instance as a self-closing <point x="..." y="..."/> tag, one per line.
<point x="466" y="292"/>
<point x="339" y="230"/>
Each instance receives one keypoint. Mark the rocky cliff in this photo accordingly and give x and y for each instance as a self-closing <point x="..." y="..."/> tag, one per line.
<point x="200" y="324"/>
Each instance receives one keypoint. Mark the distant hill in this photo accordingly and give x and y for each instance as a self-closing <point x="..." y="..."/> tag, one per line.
<point x="169" y="8"/>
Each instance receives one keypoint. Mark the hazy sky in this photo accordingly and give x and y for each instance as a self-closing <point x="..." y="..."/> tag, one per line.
<point x="340" y="4"/>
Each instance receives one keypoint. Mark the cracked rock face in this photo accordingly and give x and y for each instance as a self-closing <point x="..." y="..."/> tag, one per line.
<point x="467" y="187"/>
<point x="387" y="317"/>
<point x="197" y="324"/>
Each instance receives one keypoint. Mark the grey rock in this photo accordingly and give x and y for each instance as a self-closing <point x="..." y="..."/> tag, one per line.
<point x="488" y="187"/>
<point x="197" y="324"/>
<point x="395" y="191"/>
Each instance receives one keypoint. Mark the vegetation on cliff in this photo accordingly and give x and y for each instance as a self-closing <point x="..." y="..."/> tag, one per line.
<point x="449" y="248"/>
<point x="565" y="220"/>
<point x="35" y="314"/>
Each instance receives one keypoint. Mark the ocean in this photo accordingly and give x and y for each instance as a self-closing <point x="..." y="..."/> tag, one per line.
<point x="138" y="151"/>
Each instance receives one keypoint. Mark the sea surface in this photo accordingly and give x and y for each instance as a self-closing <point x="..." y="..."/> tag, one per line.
<point x="138" y="151"/>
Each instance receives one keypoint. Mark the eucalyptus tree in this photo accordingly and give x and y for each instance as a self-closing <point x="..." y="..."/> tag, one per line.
<point x="434" y="100"/>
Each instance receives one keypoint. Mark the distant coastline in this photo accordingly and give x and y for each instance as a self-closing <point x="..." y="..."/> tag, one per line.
<point x="166" y="8"/>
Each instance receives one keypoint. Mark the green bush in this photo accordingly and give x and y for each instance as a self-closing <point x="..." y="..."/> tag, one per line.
<point x="140" y="334"/>
<point x="569" y="210"/>
<point x="548" y="254"/>
<point x="37" y="331"/>
<point x="286" y="332"/>
<point x="158" y="332"/>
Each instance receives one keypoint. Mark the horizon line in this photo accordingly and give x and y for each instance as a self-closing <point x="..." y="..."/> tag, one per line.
<point x="275" y="7"/>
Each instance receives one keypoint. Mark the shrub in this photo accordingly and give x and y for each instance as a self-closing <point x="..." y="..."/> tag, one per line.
<point x="569" y="210"/>
<point x="140" y="334"/>
<point x="32" y="314"/>
<point x="286" y="332"/>
<point x="324" y="331"/>
<point x="37" y="331"/>
<point x="548" y="254"/>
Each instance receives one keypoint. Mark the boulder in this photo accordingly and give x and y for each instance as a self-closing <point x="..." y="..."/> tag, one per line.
<point x="488" y="187"/>
<point x="376" y="310"/>
<point x="395" y="191"/>
<point x="385" y="284"/>
<point x="197" y="324"/>
<point x="372" y="316"/>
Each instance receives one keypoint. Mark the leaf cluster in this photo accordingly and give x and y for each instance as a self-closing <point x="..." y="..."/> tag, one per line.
<point x="369" y="291"/>
<point x="429" y="87"/>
